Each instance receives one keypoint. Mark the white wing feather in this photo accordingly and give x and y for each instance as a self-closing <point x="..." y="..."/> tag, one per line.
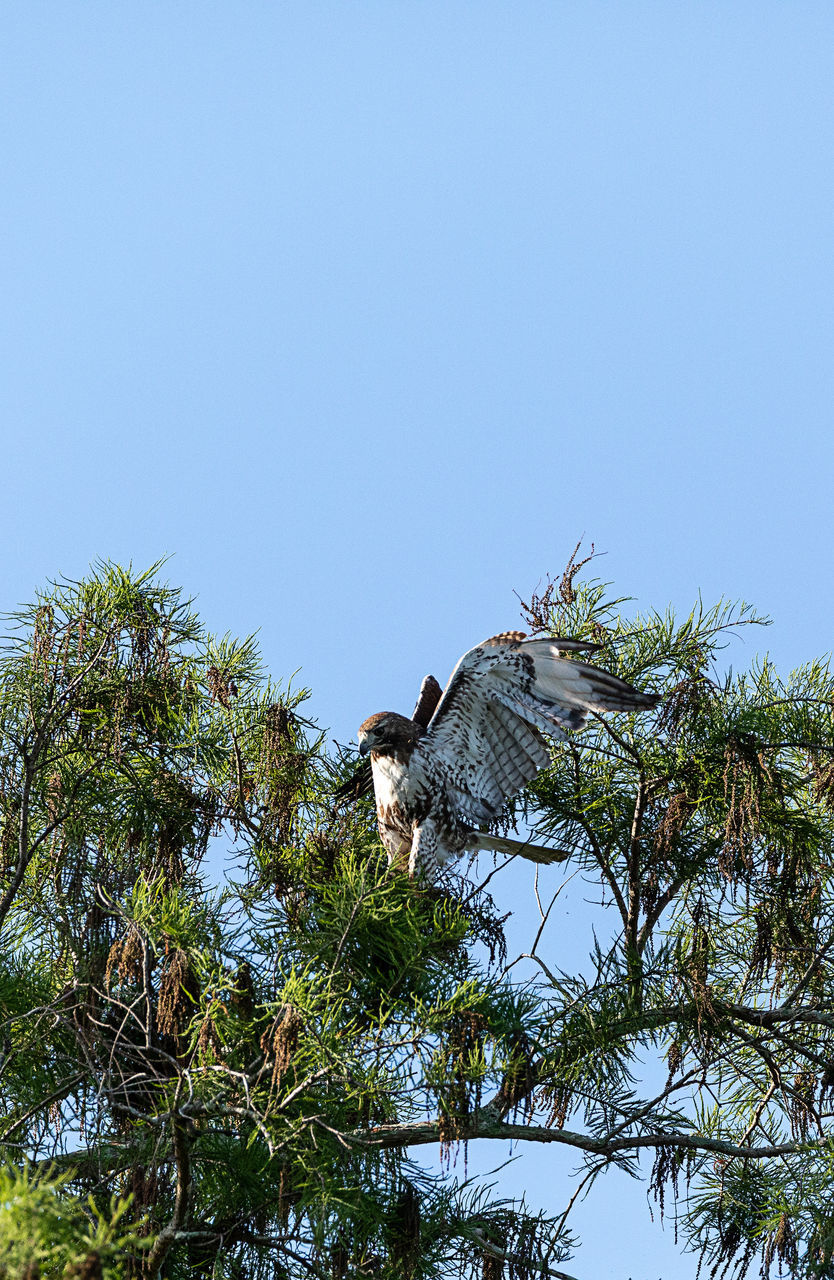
<point x="484" y="741"/>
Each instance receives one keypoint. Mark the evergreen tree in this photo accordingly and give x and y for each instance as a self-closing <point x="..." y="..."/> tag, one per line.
<point x="235" y="1076"/>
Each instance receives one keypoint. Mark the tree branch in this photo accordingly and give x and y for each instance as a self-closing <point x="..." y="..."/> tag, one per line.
<point x="481" y="1125"/>
<point x="168" y="1235"/>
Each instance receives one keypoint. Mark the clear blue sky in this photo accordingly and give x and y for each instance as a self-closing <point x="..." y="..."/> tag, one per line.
<point x="368" y="311"/>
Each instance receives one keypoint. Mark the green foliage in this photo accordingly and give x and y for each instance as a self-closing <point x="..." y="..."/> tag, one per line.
<point x="235" y="1076"/>
<point x="45" y="1229"/>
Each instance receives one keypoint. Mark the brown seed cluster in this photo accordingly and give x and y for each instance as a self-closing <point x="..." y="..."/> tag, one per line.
<point x="745" y="777"/>
<point x="674" y="1059"/>
<point x="280" y="1042"/>
<point x="243" y="993"/>
<point x="179" y="992"/>
<point x="675" y="817"/>
<point x="684" y="703"/>
<point x="460" y="1094"/>
<point x="780" y="1247"/>
<point x="126" y="957"/>
<point x="666" y="1171"/>
<point x="221" y="687"/>
<point x="43" y="637"/>
<point x="560" y="1100"/>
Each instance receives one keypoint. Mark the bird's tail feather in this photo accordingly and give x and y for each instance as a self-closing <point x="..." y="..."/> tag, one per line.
<point x="522" y="848"/>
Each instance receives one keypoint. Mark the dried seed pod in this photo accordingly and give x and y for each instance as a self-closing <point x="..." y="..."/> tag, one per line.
<point x="218" y="686"/>
<point x="560" y="1100"/>
<point x="243" y="992"/>
<point x="678" y="811"/>
<point x="277" y="732"/>
<point x="208" y="1041"/>
<point x="126" y="957"/>
<point x="280" y="1041"/>
<point x="179" y="991"/>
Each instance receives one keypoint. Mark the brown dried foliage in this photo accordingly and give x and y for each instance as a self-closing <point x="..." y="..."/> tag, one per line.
<point x="54" y="792"/>
<point x="666" y="1171"/>
<point x="221" y="687"/>
<point x="179" y="992"/>
<point x="567" y="591"/>
<point x="675" y="817"/>
<point x="126" y="957"/>
<point x="243" y="992"/>
<point x="277" y="731"/>
<point x="780" y="1247"/>
<point x="43" y="638"/>
<point x="696" y="970"/>
<point x="324" y="855"/>
<point x="560" y="1100"/>
<point x="448" y="1132"/>
<point x="281" y="771"/>
<point x="539" y="612"/>
<point x="745" y="777"/>
<point x="287" y="1196"/>
<point x="208" y="1041"/>
<point x="461" y="1095"/>
<point x="824" y="782"/>
<point x="801" y="1103"/>
<point x="186" y="821"/>
<point x="484" y="924"/>
<point x="674" y="1059"/>
<point x="144" y="1186"/>
<point x="9" y="837"/>
<point x="280" y="1041"/>
<point x="684" y="703"/>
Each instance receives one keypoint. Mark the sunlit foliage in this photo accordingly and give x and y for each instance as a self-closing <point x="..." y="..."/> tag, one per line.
<point x="233" y="1073"/>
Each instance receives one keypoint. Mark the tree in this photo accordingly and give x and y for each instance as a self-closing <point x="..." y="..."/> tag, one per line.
<point x="239" y="1078"/>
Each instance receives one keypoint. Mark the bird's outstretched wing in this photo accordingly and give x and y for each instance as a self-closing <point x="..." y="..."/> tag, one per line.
<point x="484" y="741"/>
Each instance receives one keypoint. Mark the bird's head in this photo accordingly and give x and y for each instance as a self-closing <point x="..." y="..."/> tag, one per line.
<point x="388" y="734"/>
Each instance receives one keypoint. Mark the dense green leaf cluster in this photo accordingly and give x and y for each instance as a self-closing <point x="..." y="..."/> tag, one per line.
<point x="235" y="1075"/>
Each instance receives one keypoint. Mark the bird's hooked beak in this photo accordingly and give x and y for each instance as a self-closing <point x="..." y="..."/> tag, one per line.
<point x="364" y="749"/>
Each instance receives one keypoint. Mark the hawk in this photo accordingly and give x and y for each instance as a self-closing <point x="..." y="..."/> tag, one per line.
<point x="442" y="776"/>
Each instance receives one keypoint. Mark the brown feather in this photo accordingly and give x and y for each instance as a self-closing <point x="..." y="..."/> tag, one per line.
<point x="430" y="692"/>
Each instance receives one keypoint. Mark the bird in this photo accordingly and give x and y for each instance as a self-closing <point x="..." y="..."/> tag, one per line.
<point x="440" y="777"/>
